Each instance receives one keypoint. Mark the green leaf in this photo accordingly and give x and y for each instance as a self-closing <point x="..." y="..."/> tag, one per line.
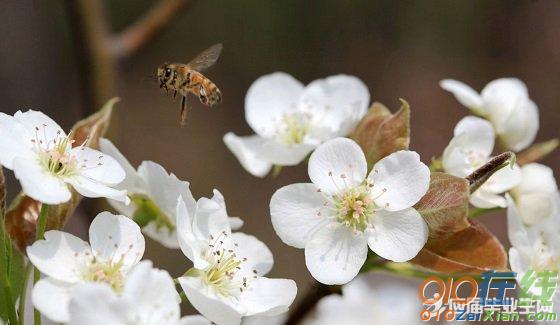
<point x="148" y="211"/>
<point x="11" y="265"/>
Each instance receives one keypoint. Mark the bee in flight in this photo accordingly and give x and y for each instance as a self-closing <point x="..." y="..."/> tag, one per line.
<point x="186" y="78"/>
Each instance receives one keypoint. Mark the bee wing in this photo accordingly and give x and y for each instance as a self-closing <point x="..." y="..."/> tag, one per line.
<point x="207" y="58"/>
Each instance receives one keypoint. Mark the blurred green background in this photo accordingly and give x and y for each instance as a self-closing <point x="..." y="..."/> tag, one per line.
<point x="400" y="49"/>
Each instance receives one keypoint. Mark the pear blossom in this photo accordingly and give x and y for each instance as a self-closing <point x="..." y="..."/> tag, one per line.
<point x="116" y="246"/>
<point x="227" y="280"/>
<point x="365" y="302"/>
<point x="506" y="103"/>
<point x="290" y="120"/>
<point x="153" y="193"/>
<point x="344" y="210"/>
<point x="148" y="297"/>
<point x="534" y="248"/>
<point x="45" y="162"/>
<point x="535" y="196"/>
<point x="470" y="148"/>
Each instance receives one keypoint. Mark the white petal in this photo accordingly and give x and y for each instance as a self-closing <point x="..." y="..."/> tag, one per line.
<point x="48" y="129"/>
<point x="399" y="180"/>
<point x="480" y="140"/>
<point x="153" y="293"/>
<point x="51" y="298"/>
<point x="294" y="213"/>
<point x="246" y="150"/>
<point x="194" y="320"/>
<point x="519" y="264"/>
<point x="132" y="178"/>
<point x="535" y="207"/>
<point x="337" y="103"/>
<point x="117" y="239"/>
<point x="60" y="255"/>
<point x="211" y="217"/>
<point x="503" y="180"/>
<point x="235" y="223"/>
<point x="97" y="166"/>
<point x="536" y="178"/>
<point x="268" y="296"/>
<point x="334" y="255"/>
<point x="268" y="98"/>
<point x="208" y="304"/>
<point x="162" y="235"/>
<point x="284" y="154"/>
<point x="96" y="303"/>
<point x="192" y="247"/>
<point x="518" y="235"/>
<point x="520" y="128"/>
<point x="15" y="140"/>
<point x="165" y="188"/>
<point x="336" y="165"/>
<point x="456" y="159"/>
<point x="94" y="189"/>
<point x="398" y="236"/>
<point x="486" y="200"/>
<point x="464" y="93"/>
<point x="259" y="257"/>
<point x="37" y="183"/>
<point x="501" y="96"/>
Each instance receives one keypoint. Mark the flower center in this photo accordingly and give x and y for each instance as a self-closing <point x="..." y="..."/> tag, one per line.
<point x="354" y="208"/>
<point x="224" y="273"/>
<point x="107" y="272"/>
<point x="293" y="128"/>
<point x="54" y="153"/>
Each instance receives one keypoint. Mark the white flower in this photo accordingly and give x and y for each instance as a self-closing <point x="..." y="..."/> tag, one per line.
<point x="147" y="298"/>
<point x="43" y="160"/>
<point x="535" y="196"/>
<point x="337" y="216"/>
<point x="534" y="248"/>
<point x="67" y="261"/>
<point x="154" y="195"/>
<point x="506" y="103"/>
<point x="365" y="302"/>
<point x="470" y="148"/>
<point x="290" y="120"/>
<point x="226" y="282"/>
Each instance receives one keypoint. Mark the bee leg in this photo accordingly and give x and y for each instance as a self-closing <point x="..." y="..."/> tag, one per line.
<point x="175" y="94"/>
<point x="183" y="110"/>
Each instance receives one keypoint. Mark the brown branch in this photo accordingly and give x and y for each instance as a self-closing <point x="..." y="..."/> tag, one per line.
<point x="142" y="31"/>
<point x="482" y="174"/>
<point x="312" y="297"/>
<point x="97" y="65"/>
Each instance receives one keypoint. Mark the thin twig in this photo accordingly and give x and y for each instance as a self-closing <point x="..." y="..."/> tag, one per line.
<point x="317" y="291"/>
<point x="142" y="31"/>
<point x="481" y="175"/>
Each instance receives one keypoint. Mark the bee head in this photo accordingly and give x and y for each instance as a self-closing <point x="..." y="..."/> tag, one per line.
<point x="163" y="73"/>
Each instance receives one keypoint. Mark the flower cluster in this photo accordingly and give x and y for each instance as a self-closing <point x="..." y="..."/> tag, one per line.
<point x="366" y="190"/>
<point x="291" y="120"/>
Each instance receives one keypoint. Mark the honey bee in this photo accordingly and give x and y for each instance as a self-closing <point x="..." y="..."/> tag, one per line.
<point x="186" y="78"/>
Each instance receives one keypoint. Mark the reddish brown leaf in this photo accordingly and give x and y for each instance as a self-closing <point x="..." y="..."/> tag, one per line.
<point x="381" y="133"/>
<point x="445" y="205"/>
<point x="472" y="250"/>
<point x="21" y="217"/>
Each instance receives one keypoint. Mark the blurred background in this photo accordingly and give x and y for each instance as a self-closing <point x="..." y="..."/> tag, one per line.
<point x="400" y="49"/>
